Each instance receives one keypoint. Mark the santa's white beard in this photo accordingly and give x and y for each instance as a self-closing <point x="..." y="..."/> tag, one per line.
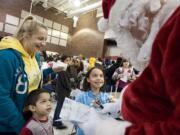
<point x="118" y="8"/>
<point x="129" y="49"/>
<point x="168" y="8"/>
<point x="125" y="41"/>
<point x="139" y="57"/>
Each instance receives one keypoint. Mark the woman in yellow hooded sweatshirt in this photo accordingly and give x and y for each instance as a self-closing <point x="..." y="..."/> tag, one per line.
<point x="19" y="72"/>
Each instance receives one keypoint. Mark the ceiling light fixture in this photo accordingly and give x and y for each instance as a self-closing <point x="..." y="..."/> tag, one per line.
<point x="75" y="19"/>
<point x="76" y="3"/>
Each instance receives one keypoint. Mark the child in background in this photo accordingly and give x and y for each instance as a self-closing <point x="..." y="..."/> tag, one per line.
<point x="63" y="90"/>
<point x="93" y="85"/>
<point x="124" y="75"/>
<point x="39" y="103"/>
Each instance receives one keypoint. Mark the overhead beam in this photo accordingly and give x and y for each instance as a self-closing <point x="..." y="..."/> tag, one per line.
<point x="35" y="2"/>
<point x="61" y="2"/>
<point x="84" y="9"/>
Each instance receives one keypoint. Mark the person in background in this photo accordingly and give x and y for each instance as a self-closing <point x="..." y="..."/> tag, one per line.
<point x="110" y="83"/>
<point x="49" y="73"/>
<point x="72" y="71"/>
<point x="106" y="63"/>
<point x="80" y="67"/>
<point x="39" y="103"/>
<point x="63" y="89"/>
<point x="93" y="96"/>
<point x="123" y="75"/>
<point x="92" y="61"/>
<point x="46" y="72"/>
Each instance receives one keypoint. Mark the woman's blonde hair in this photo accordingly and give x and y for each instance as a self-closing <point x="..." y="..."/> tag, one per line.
<point x="28" y="27"/>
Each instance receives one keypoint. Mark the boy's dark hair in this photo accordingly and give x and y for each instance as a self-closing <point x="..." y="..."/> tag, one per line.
<point x="31" y="99"/>
<point x="33" y="96"/>
<point x="86" y="84"/>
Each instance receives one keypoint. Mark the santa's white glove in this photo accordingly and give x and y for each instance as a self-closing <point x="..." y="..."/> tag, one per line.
<point x="114" y="108"/>
<point x="145" y="51"/>
<point x="154" y="5"/>
<point x="97" y="124"/>
<point x="111" y="108"/>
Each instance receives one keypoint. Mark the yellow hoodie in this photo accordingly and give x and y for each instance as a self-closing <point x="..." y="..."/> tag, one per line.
<point x="31" y="65"/>
<point x="92" y="62"/>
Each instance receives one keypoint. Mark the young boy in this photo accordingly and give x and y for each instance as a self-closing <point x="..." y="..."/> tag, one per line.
<point x="39" y="103"/>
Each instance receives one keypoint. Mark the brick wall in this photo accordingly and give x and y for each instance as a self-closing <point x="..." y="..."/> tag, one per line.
<point x="84" y="39"/>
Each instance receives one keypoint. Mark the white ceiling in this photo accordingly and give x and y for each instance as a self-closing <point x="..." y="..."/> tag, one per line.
<point x="68" y="7"/>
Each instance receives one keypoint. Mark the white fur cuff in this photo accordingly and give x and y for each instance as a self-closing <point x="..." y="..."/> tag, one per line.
<point x="102" y="24"/>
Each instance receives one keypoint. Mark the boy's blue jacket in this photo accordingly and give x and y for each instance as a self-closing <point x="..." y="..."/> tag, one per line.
<point x="13" y="88"/>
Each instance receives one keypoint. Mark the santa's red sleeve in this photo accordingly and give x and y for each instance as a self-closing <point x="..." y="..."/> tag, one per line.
<point x="152" y="102"/>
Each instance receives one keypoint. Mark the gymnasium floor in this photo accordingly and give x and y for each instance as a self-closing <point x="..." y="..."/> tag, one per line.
<point x="61" y="131"/>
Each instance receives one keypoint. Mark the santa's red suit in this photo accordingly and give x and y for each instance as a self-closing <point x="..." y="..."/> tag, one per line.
<point x="152" y="102"/>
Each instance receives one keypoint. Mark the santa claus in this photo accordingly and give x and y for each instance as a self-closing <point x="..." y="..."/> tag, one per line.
<point x="151" y="104"/>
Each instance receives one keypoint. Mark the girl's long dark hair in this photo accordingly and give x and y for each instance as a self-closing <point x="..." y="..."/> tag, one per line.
<point x="86" y="84"/>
